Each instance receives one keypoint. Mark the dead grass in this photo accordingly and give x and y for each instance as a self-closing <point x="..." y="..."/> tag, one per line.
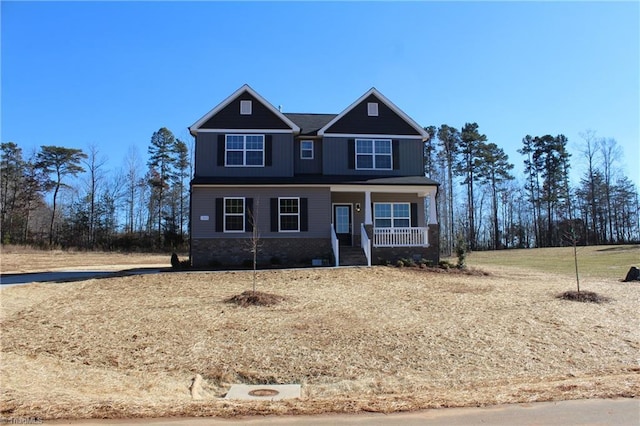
<point x="20" y="259"/>
<point x="380" y="339"/>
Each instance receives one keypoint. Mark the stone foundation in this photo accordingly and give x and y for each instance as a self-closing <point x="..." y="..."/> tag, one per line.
<point x="236" y="251"/>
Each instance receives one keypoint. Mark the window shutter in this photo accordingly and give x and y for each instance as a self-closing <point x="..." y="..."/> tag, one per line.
<point x="395" y="151"/>
<point x="249" y="218"/>
<point x="221" y="149"/>
<point x="274" y="215"/>
<point x="414" y="214"/>
<point x="219" y="214"/>
<point x="351" y="153"/>
<point x="304" y="215"/>
<point x="268" y="150"/>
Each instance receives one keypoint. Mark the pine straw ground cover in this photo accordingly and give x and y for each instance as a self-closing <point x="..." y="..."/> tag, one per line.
<point x="380" y="339"/>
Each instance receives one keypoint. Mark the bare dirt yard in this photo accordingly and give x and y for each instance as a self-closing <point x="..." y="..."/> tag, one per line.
<point x="377" y="339"/>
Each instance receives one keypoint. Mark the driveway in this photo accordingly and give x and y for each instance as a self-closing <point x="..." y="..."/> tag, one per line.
<point x="618" y="412"/>
<point x="86" y="273"/>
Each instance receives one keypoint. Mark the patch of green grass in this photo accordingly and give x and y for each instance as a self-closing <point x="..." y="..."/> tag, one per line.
<point x="593" y="261"/>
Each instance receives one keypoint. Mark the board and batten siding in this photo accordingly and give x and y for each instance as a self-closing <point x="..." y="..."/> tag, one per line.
<point x="305" y="166"/>
<point x="206" y="155"/>
<point x="336" y="154"/>
<point x="204" y="205"/>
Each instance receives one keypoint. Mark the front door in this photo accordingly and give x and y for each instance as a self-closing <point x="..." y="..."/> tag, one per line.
<point x="342" y="223"/>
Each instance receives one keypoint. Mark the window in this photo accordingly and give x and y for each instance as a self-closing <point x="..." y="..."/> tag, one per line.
<point x="234" y="214"/>
<point x="289" y="214"/>
<point x="372" y="109"/>
<point x="244" y="150"/>
<point x="392" y="215"/>
<point x="306" y="150"/>
<point x="373" y="154"/>
<point x="245" y="107"/>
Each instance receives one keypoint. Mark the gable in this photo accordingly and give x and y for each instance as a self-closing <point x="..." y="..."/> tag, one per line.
<point x="227" y="115"/>
<point x="389" y="120"/>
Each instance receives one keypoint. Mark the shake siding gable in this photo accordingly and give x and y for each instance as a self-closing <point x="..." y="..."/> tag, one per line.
<point x="358" y="121"/>
<point x="261" y="117"/>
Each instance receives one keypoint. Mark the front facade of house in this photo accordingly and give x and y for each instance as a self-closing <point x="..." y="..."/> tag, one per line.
<point x="310" y="185"/>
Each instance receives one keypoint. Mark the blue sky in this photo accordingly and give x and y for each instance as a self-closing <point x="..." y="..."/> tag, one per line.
<point x="112" y="73"/>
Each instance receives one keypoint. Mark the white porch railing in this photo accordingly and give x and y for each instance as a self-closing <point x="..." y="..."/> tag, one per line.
<point x="336" y="245"/>
<point x="365" y="243"/>
<point x="400" y="237"/>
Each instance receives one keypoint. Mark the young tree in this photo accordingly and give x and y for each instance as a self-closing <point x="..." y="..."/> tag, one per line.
<point x="59" y="162"/>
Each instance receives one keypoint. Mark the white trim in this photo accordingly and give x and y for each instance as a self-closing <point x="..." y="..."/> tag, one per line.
<point x="374" y="154"/>
<point x="333" y="216"/>
<point x="420" y="190"/>
<point x="244" y="151"/>
<point x="373" y="91"/>
<point x="225" y="214"/>
<point x="392" y="217"/>
<point x="288" y="214"/>
<point x="376" y="136"/>
<point x="195" y="127"/>
<point x="312" y="149"/>
<point x="248" y="131"/>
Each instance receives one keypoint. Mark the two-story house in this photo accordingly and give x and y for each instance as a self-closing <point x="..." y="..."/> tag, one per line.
<point x="313" y="185"/>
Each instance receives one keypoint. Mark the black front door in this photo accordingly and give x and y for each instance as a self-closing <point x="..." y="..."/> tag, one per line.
<point x="342" y="223"/>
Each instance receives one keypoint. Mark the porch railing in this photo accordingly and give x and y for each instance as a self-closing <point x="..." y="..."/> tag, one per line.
<point x="365" y="243"/>
<point x="400" y="237"/>
<point x="336" y="245"/>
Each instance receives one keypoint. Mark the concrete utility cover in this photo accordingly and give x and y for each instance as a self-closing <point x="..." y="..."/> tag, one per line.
<point x="263" y="392"/>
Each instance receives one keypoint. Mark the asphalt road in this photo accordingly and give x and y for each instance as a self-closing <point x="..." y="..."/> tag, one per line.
<point x="618" y="412"/>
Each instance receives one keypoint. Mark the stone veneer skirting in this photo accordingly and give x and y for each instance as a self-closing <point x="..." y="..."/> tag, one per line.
<point x="235" y="251"/>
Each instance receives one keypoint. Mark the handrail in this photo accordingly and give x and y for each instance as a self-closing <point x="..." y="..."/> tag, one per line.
<point x="365" y="243"/>
<point x="336" y="245"/>
<point x="401" y="237"/>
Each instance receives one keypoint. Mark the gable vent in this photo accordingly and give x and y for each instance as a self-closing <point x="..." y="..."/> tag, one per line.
<point x="245" y="107"/>
<point x="372" y="109"/>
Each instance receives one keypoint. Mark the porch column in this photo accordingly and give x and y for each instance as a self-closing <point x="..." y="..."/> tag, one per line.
<point x="433" y="217"/>
<point x="367" y="208"/>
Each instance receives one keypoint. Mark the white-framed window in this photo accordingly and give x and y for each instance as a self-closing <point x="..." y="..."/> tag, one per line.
<point x="234" y="210"/>
<point x="372" y="109"/>
<point x="306" y="150"/>
<point x="244" y="151"/>
<point x="392" y="215"/>
<point x="374" y="154"/>
<point x="289" y="214"/>
<point x="245" y="107"/>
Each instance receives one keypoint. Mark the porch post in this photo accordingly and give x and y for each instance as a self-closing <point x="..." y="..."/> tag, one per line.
<point x="433" y="217"/>
<point x="367" y="208"/>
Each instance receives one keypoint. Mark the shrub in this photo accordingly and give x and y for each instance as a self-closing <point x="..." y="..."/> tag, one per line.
<point x="175" y="262"/>
<point x="461" y="252"/>
<point x="400" y="263"/>
<point x="445" y="264"/>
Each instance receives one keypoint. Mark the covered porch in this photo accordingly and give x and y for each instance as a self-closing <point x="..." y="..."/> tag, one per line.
<point x="385" y="221"/>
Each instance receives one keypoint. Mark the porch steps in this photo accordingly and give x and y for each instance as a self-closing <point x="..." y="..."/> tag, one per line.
<point x="352" y="256"/>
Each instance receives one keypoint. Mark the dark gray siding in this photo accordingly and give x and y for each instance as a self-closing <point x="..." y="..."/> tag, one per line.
<point x="207" y="158"/>
<point x="203" y="204"/>
<point x="335" y="156"/>
<point x="306" y="166"/>
<point x="229" y="117"/>
<point x="386" y="122"/>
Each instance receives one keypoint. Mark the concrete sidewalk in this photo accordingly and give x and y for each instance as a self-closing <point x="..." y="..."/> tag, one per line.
<point x="618" y="412"/>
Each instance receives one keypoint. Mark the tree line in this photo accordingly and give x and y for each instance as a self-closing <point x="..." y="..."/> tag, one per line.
<point x="65" y="197"/>
<point x="484" y="206"/>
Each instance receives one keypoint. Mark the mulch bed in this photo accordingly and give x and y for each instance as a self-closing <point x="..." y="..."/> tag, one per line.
<point x="255" y="298"/>
<point x="583" y="296"/>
